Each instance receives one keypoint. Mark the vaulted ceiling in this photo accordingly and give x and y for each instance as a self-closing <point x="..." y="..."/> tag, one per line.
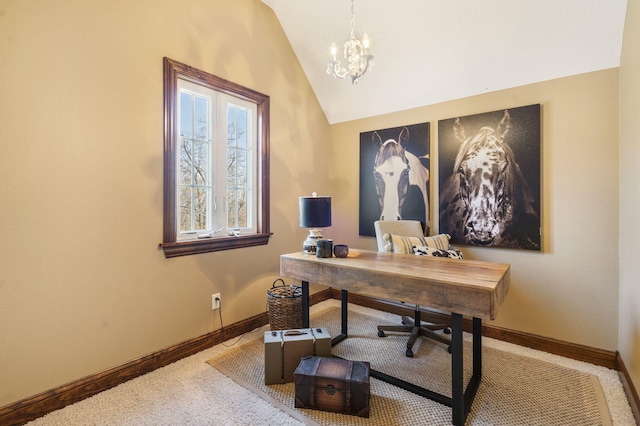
<point x="432" y="51"/>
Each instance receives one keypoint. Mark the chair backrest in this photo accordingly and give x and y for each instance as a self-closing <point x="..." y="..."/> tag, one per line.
<point x="407" y="228"/>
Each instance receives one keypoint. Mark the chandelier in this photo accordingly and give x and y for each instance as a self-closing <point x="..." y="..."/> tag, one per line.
<point x="355" y="52"/>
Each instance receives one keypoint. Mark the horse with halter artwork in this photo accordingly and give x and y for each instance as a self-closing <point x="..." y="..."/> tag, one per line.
<point x="400" y="177"/>
<point x="486" y="200"/>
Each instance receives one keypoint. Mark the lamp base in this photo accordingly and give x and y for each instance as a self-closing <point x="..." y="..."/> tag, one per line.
<point x="310" y="244"/>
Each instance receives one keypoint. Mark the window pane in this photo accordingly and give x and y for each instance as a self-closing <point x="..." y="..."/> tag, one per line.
<point x="241" y="128"/>
<point x="185" y="209"/>
<point x="231" y="209"/>
<point x="231" y="167"/>
<point x="201" y="122"/>
<point x="201" y="163"/>
<point x="186" y="115"/>
<point x="237" y="126"/>
<point x="231" y="125"/>
<point x="237" y="209"/>
<point x="194" y="161"/>
<point x="238" y="167"/>
<point x="241" y="168"/>
<point x="185" y="162"/>
<point x="200" y="201"/>
<point x="242" y="208"/>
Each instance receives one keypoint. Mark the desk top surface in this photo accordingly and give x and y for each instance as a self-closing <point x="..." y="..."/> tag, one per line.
<point x="467" y="287"/>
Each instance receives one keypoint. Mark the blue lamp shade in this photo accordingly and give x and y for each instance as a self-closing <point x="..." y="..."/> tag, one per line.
<point x="315" y="212"/>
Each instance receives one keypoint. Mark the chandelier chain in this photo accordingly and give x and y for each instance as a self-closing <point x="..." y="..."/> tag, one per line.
<point x="356" y="52"/>
<point x="353" y="19"/>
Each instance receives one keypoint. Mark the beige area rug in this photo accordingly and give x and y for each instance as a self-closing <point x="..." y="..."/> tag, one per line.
<point x="515" y="390"/>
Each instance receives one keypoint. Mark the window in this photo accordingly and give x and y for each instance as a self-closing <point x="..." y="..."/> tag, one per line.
<point x="216" y="163"/>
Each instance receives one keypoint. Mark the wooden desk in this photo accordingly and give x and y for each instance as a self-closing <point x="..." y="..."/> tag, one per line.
<point x="462" y="287"/>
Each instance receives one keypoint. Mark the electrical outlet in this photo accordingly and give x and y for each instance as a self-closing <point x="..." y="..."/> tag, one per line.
<point x="215" y="301"/>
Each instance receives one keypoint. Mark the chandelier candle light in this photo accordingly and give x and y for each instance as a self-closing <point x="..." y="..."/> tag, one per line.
<point x="315" y="213"/>
<point x="355" y="52"/>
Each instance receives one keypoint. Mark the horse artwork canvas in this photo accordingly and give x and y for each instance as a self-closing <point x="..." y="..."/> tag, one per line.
<point x="394" y="176"/>
<point x="489" y="174"/>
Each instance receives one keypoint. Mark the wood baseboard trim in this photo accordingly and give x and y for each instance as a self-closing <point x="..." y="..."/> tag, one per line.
<point x="545" y="344"/>
<point x="39" y="405"/>
<point x="629" y="389"/>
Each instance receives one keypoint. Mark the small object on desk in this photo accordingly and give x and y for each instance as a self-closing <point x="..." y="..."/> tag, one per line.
<point x="341" y="250"/>
<point x="283" y="350"/>
<point x="333" y="384"/>
<point x="324" y="248"/>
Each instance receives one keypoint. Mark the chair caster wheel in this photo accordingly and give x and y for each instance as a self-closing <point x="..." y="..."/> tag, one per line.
<point x="409" y="353"/>
<point x="447" y="331"/>
<point x="449" y="349"/>
<point x="381" y="333"/>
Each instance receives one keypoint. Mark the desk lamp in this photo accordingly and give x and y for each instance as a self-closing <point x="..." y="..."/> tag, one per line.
<point x="315" y="213"/>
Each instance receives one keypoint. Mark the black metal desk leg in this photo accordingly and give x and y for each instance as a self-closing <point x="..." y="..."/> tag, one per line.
<point x="344" y="299"/>
<point x="344" y="296"/>
<point x="477" y="347"/>
<point x="457" y="371"/>
<point x="305" y="304"/>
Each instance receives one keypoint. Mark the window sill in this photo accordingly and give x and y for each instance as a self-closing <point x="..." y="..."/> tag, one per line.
<point x="206" y="245"/>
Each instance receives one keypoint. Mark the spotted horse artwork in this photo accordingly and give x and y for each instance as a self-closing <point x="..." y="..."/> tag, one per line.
<point x="486" y="201"/>
<point x="395" y="170"/>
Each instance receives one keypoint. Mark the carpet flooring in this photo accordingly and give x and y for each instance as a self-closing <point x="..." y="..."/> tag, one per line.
<point x="191" y="392"/>
<point x="515" y="390"/>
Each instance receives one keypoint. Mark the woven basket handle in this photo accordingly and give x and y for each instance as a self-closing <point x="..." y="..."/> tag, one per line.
<point x="274" y="283"/>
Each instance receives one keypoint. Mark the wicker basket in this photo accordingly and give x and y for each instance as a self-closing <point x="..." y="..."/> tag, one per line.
<point x="285" y="306"/>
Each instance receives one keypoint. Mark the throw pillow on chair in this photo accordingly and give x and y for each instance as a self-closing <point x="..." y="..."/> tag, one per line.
<point x="430" y="251"/>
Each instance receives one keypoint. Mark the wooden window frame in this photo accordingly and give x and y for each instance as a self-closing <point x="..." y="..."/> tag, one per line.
<point x="174" y="70"/>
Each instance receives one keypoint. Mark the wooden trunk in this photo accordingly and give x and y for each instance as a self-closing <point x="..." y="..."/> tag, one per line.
<point x="333" y="384"/>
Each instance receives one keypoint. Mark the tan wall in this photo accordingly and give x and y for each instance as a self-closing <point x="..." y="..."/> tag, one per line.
<point x="569" y="290"/>
<point x="83" y="285"/>
<point x="629" y="323"/>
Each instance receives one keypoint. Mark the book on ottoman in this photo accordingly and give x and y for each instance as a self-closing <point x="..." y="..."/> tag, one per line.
<point x="333" y="384"/>
<point x="283" y="350"/>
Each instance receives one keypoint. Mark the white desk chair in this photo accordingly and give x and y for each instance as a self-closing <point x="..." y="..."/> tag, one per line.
<point x="414" y="326"/>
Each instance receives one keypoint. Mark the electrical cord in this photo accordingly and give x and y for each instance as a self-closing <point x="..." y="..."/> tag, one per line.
<point x="222" y="326"/>
<point x="244" y="334"/>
